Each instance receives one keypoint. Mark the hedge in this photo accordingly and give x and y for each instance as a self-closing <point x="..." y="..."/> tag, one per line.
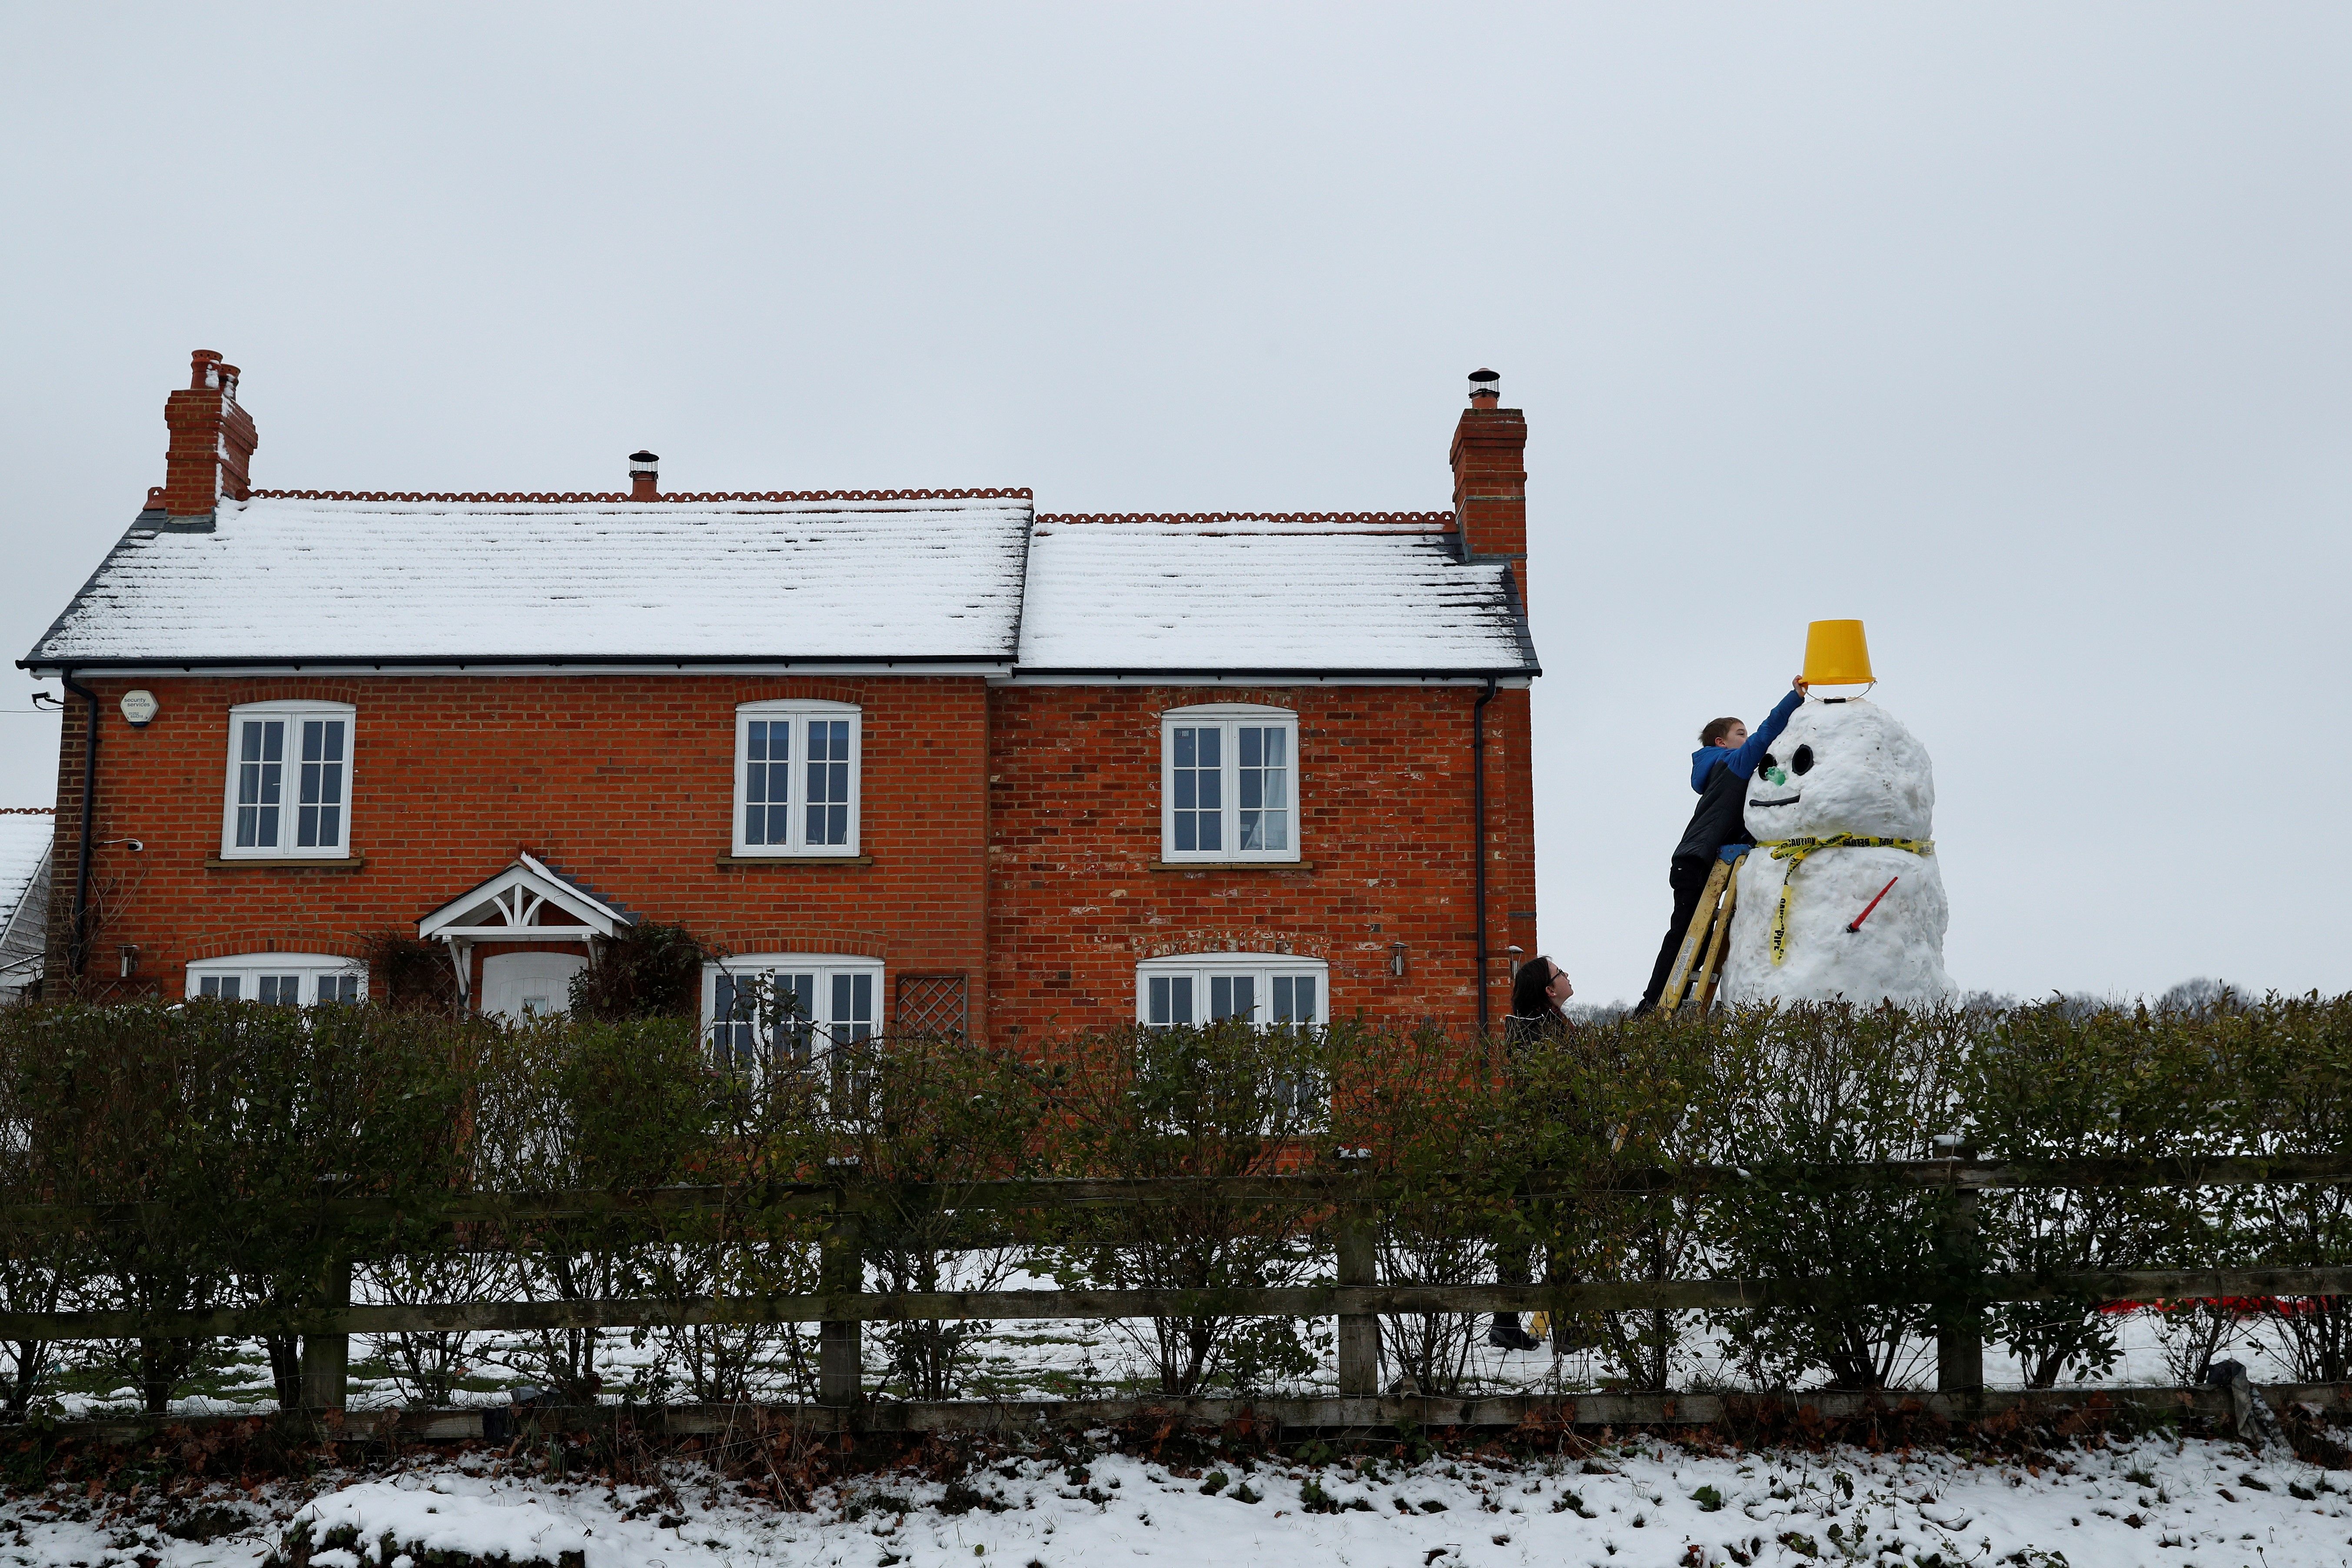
<point x="192" y="1157"/>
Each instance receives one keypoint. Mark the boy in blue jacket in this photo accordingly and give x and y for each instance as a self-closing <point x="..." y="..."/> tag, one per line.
<point x="1720" y="768"/>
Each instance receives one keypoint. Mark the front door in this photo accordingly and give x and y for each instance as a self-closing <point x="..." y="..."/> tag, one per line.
<point x="519" y="985"/>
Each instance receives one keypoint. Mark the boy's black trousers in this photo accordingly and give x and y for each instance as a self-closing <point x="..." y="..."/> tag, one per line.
<point x="1687" y="874"/>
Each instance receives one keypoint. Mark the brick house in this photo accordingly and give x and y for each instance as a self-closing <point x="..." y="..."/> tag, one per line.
<point x="1057" y="770"/>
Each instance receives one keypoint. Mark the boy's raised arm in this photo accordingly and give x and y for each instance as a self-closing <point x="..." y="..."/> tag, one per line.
<point x="1743" y="761"/>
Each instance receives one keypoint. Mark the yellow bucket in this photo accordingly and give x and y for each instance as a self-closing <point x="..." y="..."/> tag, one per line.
<point x="1836" y="655"/>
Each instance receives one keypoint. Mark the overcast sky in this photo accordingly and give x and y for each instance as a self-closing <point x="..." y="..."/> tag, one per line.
<point x="2022" y="333"/>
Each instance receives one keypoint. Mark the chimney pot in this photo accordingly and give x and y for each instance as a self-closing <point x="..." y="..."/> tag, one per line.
<point x="645" y="476"/>
<point x="1486" y="388"/>
<point x="212" y="440"/>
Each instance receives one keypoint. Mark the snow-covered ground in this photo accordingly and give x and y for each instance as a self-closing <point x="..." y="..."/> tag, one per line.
<point x="2197" y="1504"/>
<point x="1054" y="1359"/>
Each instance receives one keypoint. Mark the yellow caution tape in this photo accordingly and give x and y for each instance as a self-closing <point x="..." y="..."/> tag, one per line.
<point x="1794" y="850"/>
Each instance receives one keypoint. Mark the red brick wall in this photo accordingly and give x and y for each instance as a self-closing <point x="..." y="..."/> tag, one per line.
<point x="623" y="782"/>
<point x="1011" y="832"/>
<point x="1385" y="822"/>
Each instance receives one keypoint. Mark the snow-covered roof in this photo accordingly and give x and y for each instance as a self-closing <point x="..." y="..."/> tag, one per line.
<point x="920" y="579"/>
<point x="24" y="839"/>
<point x="858" y="578"/>
<point x="1367" y="594"/>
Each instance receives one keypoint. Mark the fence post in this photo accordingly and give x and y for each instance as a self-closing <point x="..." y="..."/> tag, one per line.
<point x="840" y="1357"/>
<point x="327" y="1358"/>
<point x="1959" y="1320"/>
<point x="1359" y="1332"/>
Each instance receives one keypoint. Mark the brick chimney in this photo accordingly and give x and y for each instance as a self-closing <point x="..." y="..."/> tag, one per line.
<point x="645" y="476"/>
<point x="211" y="441"/>
<point x="1490" y="478"/>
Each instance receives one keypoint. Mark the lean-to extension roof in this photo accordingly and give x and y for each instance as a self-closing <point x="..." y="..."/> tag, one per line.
<point x="1333" y="595"/>
<point x="892" y="577"/>
<point x="24" y="839"/>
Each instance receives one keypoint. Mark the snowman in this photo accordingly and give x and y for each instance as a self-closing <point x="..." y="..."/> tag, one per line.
<point x="1841" y="897"/>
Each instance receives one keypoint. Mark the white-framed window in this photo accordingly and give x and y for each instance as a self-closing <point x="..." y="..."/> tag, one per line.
<point x="1261" y="988"/>
<point x="1268" y="990"/>
<point x="796" y="768"/>
<point x="290" y="782"/>
<point x="1229" y="782"/>
<point x="783" y="1008"/>
<point x="279" y="979"/>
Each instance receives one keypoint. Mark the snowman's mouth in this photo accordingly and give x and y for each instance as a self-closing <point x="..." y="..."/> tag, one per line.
<point x="1785" y="800"/>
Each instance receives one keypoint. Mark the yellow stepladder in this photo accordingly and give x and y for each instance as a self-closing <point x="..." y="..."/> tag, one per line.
<point x="1704" y="943"/>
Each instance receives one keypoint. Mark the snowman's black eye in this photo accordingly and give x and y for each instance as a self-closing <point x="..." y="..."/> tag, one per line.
<point x="1802" y="762"/>
<point x="1769" y="763"/>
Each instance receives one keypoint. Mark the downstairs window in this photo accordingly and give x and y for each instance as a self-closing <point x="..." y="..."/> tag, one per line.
<point x="279" y="979"/>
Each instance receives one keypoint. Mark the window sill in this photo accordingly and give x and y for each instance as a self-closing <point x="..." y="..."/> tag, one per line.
<point x="284" y="863"/>
<point x="1232" y="866"/>
<point x="732" y="862"/>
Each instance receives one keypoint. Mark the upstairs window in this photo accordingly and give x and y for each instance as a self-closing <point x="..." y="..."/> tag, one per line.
<point x="1229" y="783"/>
<point x="1266" y="989"/>
<point x="784" y="1010"/>
<point x="289" y="780"/>
<point x="279" y="979"/>
<point x="796" y="766"/>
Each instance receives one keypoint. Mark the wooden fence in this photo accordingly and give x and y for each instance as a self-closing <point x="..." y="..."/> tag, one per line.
<point x="1356" y="1298"/>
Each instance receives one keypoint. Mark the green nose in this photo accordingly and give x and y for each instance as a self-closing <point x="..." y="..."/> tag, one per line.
<point x="1776" y="776"/>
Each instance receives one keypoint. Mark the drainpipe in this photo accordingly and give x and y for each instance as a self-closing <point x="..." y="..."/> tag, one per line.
<point x="1477" y="827"/>
<point x="78" y="946"/>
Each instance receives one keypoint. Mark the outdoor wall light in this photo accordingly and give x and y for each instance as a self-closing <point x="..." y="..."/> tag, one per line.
<point x="1396" y="958"/>
<point x="130" y="959"/>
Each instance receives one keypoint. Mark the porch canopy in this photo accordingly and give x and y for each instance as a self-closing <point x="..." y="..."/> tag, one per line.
<point x="528" y="902"/>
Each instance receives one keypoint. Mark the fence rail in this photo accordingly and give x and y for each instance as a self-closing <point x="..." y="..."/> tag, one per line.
<point x="1309" y="1413"/>
<point x="1355" y="1298"/>
<point x="1294" y="1301"/>
<point x="1301" y="1187"/>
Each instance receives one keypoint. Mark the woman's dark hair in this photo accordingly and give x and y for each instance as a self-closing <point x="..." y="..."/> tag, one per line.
<point x="1528" y="997"/>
